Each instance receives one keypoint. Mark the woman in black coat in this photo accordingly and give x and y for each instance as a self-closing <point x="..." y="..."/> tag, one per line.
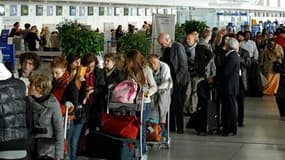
<point x="95" y="85"/>
<point x="32" y="37"/>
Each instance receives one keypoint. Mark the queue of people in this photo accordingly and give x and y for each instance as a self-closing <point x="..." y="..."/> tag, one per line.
<point x="171" y="80"/>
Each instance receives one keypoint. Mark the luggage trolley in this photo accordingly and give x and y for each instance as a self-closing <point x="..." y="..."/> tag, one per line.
<point x="130" y="107"/>
<point x="165" y="144"/>
<point x="102" y="145"/>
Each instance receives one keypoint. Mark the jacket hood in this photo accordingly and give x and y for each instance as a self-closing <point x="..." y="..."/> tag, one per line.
<point x="4" y="72"/>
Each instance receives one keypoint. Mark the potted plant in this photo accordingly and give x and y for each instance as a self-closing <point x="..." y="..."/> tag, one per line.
<point x="194" y="25"/>
<point x="137" y="41"/>
<point x="179" y="33"/>
<point x="75" y="38"/>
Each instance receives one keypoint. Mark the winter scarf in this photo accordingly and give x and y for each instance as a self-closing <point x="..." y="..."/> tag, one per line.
<point x="62" y="82"/>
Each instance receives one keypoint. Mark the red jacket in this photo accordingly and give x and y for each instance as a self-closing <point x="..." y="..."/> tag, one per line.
<point x="281" y="41"/>
<point x="69" y="93"/>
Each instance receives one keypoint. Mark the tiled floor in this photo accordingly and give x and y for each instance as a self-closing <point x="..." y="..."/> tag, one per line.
<point x="262" y="138"/>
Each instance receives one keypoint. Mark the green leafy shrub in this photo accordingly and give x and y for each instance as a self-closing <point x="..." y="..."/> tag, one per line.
<point x="179" y="33"/>
<point x="137" y="41"/>
<point x="75" y="38"/>
<point x="194" y="25"/>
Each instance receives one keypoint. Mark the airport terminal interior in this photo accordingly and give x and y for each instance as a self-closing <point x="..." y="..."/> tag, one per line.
<point x="261" y="138"/>
<point x="261" y="134"/>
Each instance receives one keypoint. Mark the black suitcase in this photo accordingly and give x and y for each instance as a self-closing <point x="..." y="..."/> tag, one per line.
<point x="208" y="109"/>
<point x="255" y="88"/>
<point x="101" y="145"/>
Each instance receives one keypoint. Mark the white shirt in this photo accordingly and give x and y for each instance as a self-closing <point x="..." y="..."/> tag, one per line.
<point x="250" y="46"/>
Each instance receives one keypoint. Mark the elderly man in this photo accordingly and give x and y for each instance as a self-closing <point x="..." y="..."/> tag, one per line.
<point x="230" y="87"/>
<point x="162" y="77"/>
<point x="173" y="54"/>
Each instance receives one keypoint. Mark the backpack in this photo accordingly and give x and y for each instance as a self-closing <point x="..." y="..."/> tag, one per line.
<point x="125" y="92"/>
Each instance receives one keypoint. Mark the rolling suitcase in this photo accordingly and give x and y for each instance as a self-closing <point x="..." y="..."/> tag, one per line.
<point x="208" y="111"/>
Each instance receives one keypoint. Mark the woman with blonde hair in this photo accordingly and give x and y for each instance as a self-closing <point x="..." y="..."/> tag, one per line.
<point x="45" y="39"/>
<point x="218" y="41"/>
<point x="138" y="71"/>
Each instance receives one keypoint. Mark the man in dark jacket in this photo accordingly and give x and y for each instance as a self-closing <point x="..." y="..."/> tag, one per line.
<point x="230" y="86"/>
<point x="173" y="53"/>
<point x="13" y="128"/>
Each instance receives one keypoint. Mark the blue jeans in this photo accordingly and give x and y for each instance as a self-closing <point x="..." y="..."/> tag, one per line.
<point x="73" y="136"/>
<point x="164" y="132"/>
<point x="144" y="118"/>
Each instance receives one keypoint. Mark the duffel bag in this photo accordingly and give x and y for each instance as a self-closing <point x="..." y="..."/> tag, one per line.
<point x="125" y="126"/>
<point x="153" y="132"/>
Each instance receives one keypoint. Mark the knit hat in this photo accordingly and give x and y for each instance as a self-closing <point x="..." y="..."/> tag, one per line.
<point x="4" y="72"/>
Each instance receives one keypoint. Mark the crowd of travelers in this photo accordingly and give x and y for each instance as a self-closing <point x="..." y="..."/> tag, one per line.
<point x="32" y="105"/>
<point x="48" y="41"/>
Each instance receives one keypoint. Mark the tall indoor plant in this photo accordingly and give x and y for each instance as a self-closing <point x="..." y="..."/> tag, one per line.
<point x="137" y="41"/>
<point x="194" y="25"/>
<point x="75" y="38"/>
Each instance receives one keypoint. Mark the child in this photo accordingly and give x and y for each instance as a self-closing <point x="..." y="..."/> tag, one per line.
<point x="47" y="126"/>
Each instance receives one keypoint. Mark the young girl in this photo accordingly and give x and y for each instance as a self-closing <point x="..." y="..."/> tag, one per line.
<point x="47" y="119"/>
<point x="141" y="73"/>
<point x="94" y="96"/>
<point x="65" y="90"/>
<point x="77" y="73"/>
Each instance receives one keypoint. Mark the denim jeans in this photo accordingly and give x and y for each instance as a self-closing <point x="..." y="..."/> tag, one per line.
<point x="144" y="118"/>
<point x="164" y="132"/>
<point x="73" y="136"/>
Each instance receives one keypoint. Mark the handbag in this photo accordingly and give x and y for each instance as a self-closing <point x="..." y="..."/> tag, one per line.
<point x="153" y="132"/>
<point x="125" y="92"/>
<point x="278" y="67"/>
<point x="125" y="126"/>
